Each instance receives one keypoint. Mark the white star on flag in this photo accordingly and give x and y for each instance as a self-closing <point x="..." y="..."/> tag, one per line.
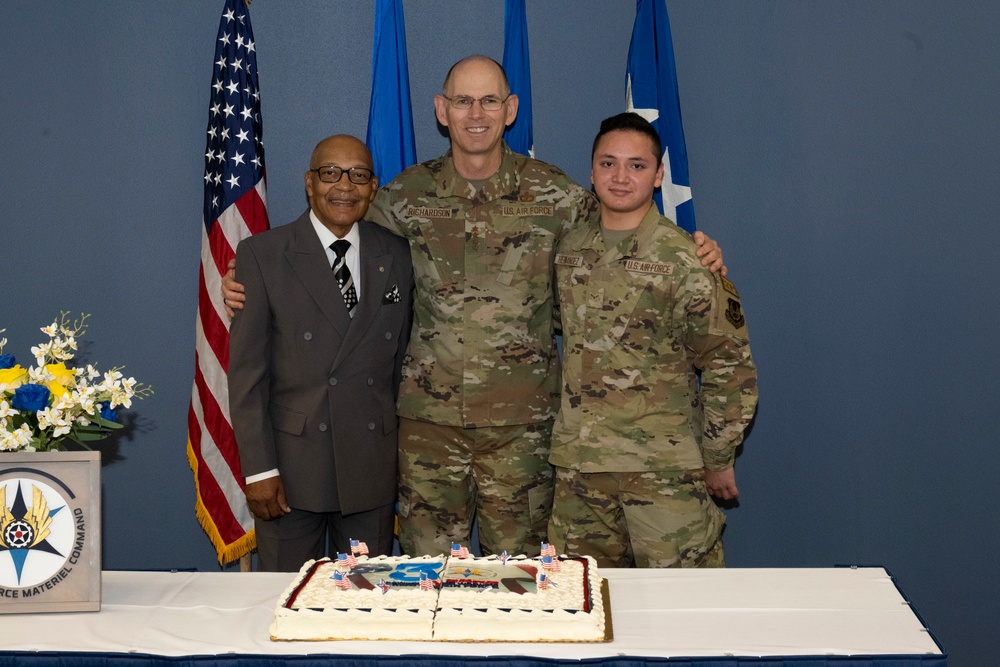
<point x="673" y="195"/>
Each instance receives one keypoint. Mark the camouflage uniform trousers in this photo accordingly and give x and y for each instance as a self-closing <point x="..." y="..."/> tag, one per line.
<point x="450" y="475"/>
<point x="637" y="519"/>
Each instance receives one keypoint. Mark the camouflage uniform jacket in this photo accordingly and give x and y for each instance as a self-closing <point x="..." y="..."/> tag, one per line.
<point x="638" y="320"/>
<point x="482" y="351"/>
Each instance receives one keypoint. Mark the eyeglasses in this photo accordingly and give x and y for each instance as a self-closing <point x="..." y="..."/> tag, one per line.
<point x="464" y="102"/>
<point x="332" y="174"/>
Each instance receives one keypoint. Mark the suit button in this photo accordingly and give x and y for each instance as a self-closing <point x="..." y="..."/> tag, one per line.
<point x="371" y="381"/>
<point x="307" y="335"/>
<point x="322" y="428"/>
<point x="333" y="382"/>
<point x="388" y="335"/>
<point x="371" y="426"/>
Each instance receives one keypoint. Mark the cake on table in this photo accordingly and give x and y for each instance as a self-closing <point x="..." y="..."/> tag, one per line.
<point x="445" y="598"/>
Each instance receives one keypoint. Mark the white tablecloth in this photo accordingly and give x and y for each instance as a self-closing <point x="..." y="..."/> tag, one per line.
<point x="656" y="613"/>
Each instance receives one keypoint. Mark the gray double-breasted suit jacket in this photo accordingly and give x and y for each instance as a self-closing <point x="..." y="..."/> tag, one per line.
<point x="312" y="392"/>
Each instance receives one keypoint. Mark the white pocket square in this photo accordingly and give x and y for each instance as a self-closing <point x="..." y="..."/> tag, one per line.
<point x="392" y="296"/>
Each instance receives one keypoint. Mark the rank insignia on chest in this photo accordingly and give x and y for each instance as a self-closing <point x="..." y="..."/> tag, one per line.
<point x="734" y="313"/>
<point x="568" y="260"/>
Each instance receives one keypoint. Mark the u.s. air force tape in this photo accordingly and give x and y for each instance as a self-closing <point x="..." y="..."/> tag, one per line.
<point x="649" y="267"/>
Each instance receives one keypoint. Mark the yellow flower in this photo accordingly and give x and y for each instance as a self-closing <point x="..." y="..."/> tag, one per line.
<point x="61" y="377"/>
<point x="12" y="378"/>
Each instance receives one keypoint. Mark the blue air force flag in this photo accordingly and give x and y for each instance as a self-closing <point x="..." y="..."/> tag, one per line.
<point x="519" y="136"/>
<point x="390" y="119"/>
<point x="651" y="92"/>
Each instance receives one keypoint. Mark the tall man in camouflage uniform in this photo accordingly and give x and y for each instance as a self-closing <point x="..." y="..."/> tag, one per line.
<point x="481" y="385"/>
<point x="638" y="445"/>
<point x="481" y="381"/>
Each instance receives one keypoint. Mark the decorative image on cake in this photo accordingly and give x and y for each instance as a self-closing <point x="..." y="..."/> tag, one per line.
<point x="446" y="598"/>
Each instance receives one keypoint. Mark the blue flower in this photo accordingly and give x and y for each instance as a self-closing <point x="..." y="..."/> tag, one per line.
<point x="31" y="397"/>
<point x="7" y="361"/>
<point x="108" y="413"/>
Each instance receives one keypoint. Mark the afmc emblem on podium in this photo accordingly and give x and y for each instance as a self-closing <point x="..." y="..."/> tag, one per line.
<point x="50" y="532"/>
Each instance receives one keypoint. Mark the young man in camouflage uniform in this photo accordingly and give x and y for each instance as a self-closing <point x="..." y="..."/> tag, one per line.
<point x="481" y="381"/>
<point x="638" y="444"/>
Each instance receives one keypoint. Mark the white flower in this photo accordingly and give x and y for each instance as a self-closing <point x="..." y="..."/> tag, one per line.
<point x="51" y="330"/>
<point x="119" y="397"/>
<point x="39" y="375"/>
<point x="84" y="398"/>
<point x="65" y="403"/>
<point x="8" y="441"/>
<point x="6" y="410"/>
<point x="14" y="440"/>
<point x="41" y="352"/>
<point x="53" y="418"/>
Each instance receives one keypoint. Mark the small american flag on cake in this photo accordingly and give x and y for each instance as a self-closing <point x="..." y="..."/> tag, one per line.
<point x="551" y="564"/>
<point x="341" y="582"/>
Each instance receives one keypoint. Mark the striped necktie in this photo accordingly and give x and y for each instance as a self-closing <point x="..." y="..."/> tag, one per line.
<point x="343" y="274"/>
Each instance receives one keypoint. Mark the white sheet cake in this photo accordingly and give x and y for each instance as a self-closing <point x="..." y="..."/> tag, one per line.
<point x="463" y="599"/>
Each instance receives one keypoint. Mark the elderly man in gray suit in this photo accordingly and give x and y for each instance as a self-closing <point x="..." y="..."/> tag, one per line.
<point x="314" y="368"/>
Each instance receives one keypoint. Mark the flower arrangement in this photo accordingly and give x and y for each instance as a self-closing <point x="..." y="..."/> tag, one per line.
<point x="43" y="406"/>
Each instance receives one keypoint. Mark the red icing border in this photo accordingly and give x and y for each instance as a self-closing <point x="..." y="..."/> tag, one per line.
<point x="309" y="575"/>
<point x="587" y="600"/>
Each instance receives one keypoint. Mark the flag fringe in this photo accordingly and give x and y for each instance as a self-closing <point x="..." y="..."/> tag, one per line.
<point x="227" y="553"/>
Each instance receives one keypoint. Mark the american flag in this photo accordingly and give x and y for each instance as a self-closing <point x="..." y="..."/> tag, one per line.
<point x="347" y="560"/>
<point x="548" y="549"/>
<point x="551" y="564"/>
<point x="382" y="586"/>
<point x="543" y="581"/>
<point x="359" y="548"/>
<point x="341" y="582"/>
<point x="425" y="582"/>
<point x="503" y="558"/>
<point x="458" y="551"/>
<point x="235" y="207"/>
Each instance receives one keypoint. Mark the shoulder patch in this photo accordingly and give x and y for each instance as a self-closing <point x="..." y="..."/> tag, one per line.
<point x="729" y="287"/>
<point x="734" y="313"/>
